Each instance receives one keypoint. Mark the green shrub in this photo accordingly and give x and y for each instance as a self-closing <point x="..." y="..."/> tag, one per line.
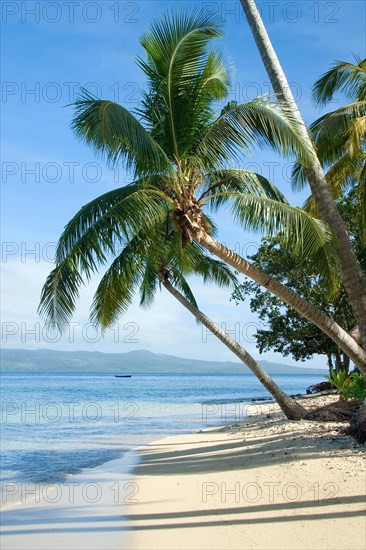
<point x="356" y="388"/>
<point x="350" y="386"/>
<point x="339" y="379"/>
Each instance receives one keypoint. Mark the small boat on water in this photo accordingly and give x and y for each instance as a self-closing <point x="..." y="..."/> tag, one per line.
<point x="123" y="375"/>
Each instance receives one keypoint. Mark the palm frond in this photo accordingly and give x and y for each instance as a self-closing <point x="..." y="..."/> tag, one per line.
<point x="338" y="137"/>
<point x="237" y="181"/>
<point x="340" y="176"/>
<point x="345" y="77"/>
<point x="148" y="285"/>
<point x="175" y="36"/>
<point x="176" y="48"/>
<point x="59" y="295"/>
<point x="256" y="124"/>
<point x="332" y="131"/>
<point x="344" y="173"/>
<point x="104" y="222"/>
<point x="215" y="79"/>
<point x="112" y="131"/>
<point x="304" y="235"/>
<point x="95" y="234"/>
<point x="356" y="135"/>
<point x="298" y="177"/>
<point x="140" y="265"/>
<point x="117" y="287"/>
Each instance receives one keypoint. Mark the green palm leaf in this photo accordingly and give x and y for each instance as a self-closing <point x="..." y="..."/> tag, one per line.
<point x="340" y="135"/>
<point x="334" y="128"/>
<point x="112" y="131"/>
<point x="177" y="53"/>
<point x="240" y="128"/>
<point x="345" y="77"/>
<point x="59" y="295"/>
<point x="237" y="181"/>
<point x="116" y="289"/>
<point x="303" y="234"/>
<point x="141" y="264"/>
<point x="101" y="224"/>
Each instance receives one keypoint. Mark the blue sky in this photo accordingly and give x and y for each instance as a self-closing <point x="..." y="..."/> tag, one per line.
<point x="50" y="49"/>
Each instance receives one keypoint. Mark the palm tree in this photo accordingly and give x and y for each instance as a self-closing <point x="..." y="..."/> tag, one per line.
<point x="179" y="150"/>
<point x="353" y="276"/>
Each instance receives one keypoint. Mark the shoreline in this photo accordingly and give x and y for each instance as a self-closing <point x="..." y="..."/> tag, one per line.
<point x="153" y="496"/>
<point x="240" y="406"/>
<point x="82" y="513"/>
<point x="28" y="523"/>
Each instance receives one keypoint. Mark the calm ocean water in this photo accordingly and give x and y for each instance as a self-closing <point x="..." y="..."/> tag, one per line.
<point x="54" y="425"/>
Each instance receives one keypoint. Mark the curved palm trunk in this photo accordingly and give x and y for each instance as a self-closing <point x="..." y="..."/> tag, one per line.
<point x="310" y="312"/>
<point x="353" y="276"/>
<point x="292" y="409"/>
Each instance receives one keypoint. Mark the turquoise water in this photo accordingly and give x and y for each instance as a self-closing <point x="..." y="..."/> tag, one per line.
<point x="54" y="425"/>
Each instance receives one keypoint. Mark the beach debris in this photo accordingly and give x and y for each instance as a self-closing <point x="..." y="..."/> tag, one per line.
<point x="339" y="411"/>
<point x="357" y="428"/>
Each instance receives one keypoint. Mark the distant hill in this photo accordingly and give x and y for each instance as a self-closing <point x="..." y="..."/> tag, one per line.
<point x="44" y="360"/>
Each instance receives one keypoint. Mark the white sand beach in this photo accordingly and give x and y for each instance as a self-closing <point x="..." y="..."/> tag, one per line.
<point x="262" y="483"/>
<point x="265" y="483"/>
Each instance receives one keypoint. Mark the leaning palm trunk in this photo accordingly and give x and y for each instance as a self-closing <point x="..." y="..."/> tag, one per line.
<point x="292" y="410"/>
<point x="353" y="276"/>
<point x="307" y="310"/>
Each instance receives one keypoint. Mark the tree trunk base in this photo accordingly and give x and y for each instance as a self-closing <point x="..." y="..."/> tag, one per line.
<point x="293" y="410"/>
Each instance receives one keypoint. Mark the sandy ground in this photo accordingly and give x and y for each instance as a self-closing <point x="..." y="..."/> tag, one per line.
<point x="264" y="483"/>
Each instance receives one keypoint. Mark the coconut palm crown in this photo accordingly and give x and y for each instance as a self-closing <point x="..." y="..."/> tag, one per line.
<point x="181" y="148"/>
<point x="340" y="135"/>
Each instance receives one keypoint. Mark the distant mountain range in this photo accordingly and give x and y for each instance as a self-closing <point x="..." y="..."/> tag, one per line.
<point x="44" y="360"/>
